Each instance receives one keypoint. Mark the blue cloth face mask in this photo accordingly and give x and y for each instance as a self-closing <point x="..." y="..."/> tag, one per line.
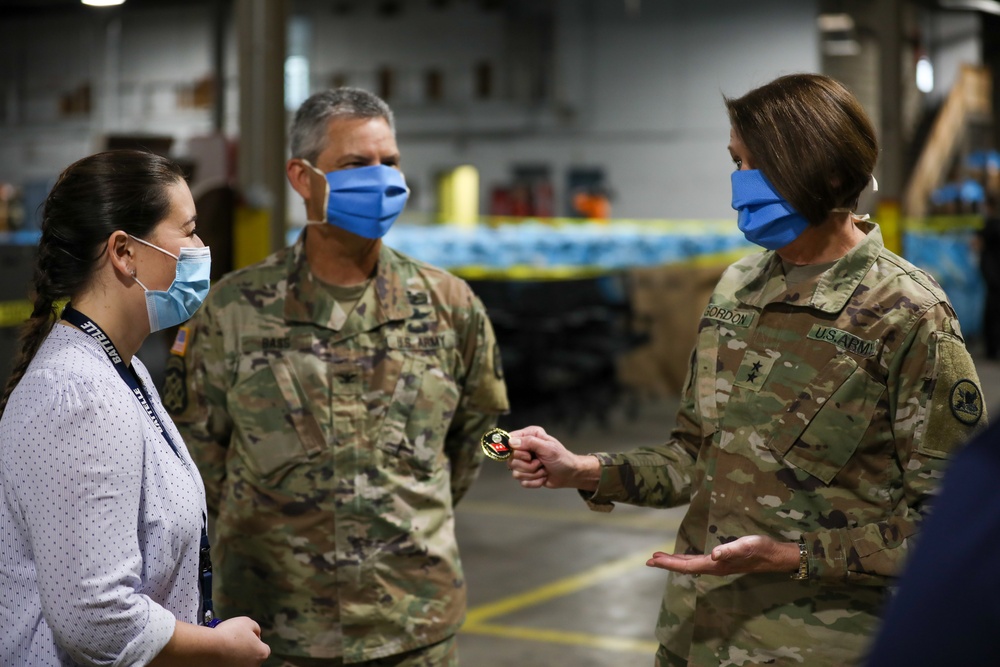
<point x="765" y="218"/>
<point x="364" y="201"/>
<point x="179" y="302"/>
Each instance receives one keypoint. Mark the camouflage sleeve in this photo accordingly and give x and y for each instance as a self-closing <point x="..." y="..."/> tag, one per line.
<point x="484" y="396"/>
<point x="654" y="476"/>
<point x="936" y="404"/>
<point x="197" y="385"/>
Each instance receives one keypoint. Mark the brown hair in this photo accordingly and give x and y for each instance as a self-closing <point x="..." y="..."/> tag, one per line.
<point x="811" y="138"/>
<point x="94" y="197"/>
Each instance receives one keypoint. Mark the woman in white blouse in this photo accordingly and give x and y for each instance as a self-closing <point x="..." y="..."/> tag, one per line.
<point x="102" y="519"/>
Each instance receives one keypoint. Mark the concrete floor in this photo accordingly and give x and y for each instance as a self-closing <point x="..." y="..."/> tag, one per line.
<point x="552" y="583"/>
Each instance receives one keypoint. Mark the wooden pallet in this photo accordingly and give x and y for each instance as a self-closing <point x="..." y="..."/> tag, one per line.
<point x="967" y="102"/>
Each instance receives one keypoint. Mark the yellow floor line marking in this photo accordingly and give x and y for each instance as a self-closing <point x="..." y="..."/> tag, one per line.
<point x="622" y="644"/>
<point x="561" y="587"/>
<point x="662" y="523"/>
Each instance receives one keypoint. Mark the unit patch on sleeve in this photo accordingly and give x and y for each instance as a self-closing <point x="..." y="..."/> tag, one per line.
<point x="966" y="402"/>
<point x="175" y="398"/>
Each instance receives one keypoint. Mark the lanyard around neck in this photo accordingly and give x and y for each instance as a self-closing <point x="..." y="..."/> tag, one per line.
<point x="131" y="378"/>
<point x="125" y="371"/>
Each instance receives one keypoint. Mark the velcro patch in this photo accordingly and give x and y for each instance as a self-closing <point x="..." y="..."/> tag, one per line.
<point x="955" y="405"/>
<point x="427" y="341"/>
<point x="417" y="297"/>
<point x="175" y="396"/>
<point x="966" y="402"/>
<point x="737" y="318"/>
<point x="754" y="370"/>
<point x="844" y="340"/>
<point x="181" y="342"/>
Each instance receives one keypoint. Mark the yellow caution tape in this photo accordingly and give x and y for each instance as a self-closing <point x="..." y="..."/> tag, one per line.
<point x="14" y="313"/>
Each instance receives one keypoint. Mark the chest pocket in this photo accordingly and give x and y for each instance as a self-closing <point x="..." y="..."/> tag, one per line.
<point x="836" y="409"/>
<point x="422" y="405"/>
<point x="276" y="425"/>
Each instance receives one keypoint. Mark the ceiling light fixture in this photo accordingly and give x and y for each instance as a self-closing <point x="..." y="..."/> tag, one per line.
<point x="834" y="22"/>
<point x="925" y="75"/>
<point x="988" y="6"/>
<point x="102" y="3"/>
<point x="838" y="35"/>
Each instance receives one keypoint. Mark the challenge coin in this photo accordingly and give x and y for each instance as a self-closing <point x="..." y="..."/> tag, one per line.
<point x="496" y="444"/>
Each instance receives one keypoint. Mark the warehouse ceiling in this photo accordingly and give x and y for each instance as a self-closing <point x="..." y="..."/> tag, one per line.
<point x="23" y="8"/>
<point x="26" y="8"/>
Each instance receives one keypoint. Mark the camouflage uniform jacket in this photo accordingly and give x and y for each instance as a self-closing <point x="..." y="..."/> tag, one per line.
<point x="822" y="412"/>
<point x="334" y="448"/>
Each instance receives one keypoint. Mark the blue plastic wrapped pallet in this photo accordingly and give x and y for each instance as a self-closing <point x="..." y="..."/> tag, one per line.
<point x="540" y="247"/>
<point x="945" y="248"/>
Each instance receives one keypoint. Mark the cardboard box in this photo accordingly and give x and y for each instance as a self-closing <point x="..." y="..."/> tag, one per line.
<point x="667" y="302"/>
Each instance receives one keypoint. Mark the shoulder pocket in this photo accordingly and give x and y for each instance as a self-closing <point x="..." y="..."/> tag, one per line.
<point x="956" y="404"/>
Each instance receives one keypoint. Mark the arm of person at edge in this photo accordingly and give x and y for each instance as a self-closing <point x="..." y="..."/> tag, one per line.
<point x="540" y="460"/>
<point x="659" y="474"/>
<point x="202" y="417"/>
<point x="483" y="397"/>
<point x="228" y="643"/>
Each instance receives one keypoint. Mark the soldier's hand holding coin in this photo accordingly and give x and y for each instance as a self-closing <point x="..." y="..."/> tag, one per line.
<point x="541" y="460"/>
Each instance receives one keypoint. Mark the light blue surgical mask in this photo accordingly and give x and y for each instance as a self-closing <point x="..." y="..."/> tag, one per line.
<point x="364" y="201"/>
<point x="179" y="302"/>
<point x="765" y="218"/>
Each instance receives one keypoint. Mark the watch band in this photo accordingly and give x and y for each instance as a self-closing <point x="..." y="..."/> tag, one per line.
<point x="803" y="571"/>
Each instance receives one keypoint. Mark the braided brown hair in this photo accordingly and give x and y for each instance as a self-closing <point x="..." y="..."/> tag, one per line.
<point x="123" y="190"/>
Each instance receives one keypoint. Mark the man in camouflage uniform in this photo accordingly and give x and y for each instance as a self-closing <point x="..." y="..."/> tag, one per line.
<point x="333" y="396"/>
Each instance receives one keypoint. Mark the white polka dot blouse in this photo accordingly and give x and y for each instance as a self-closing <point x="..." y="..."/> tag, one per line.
<point x="100" y="522"/>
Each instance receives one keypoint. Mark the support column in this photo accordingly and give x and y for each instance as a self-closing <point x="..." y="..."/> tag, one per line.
<point x="220" y="20"/>
<point x="891" y="85"/>
<point x="893" y="148"/>
<point x="261" y="34"/>
<point x="990" y="32"/>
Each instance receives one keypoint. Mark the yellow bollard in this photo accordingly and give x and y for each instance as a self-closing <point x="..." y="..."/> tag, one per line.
<point x="251" y="236"/>
<point x="887" y="215"/>
<point x="458" y="196"/>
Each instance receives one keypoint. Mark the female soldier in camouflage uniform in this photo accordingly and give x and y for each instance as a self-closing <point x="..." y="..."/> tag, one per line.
<point x="829" y="383"/>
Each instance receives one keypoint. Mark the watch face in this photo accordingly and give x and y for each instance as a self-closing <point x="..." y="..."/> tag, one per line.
<point x="496" y="444"/>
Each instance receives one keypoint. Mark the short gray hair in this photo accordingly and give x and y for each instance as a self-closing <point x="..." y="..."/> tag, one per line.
<point x="308" y="134"/>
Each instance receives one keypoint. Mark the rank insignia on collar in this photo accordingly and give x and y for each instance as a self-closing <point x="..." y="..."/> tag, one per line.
<point x="417" y="297"/>
<point x="496" y="444"/>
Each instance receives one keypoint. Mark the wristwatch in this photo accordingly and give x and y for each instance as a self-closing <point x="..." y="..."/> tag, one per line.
<point x="803" y="572"/>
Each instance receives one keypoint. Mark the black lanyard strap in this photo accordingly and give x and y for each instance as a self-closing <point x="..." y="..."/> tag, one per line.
<point x="205" y="581"/>
<point x="134" y="383"/>
<point x="125" y="371"/>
